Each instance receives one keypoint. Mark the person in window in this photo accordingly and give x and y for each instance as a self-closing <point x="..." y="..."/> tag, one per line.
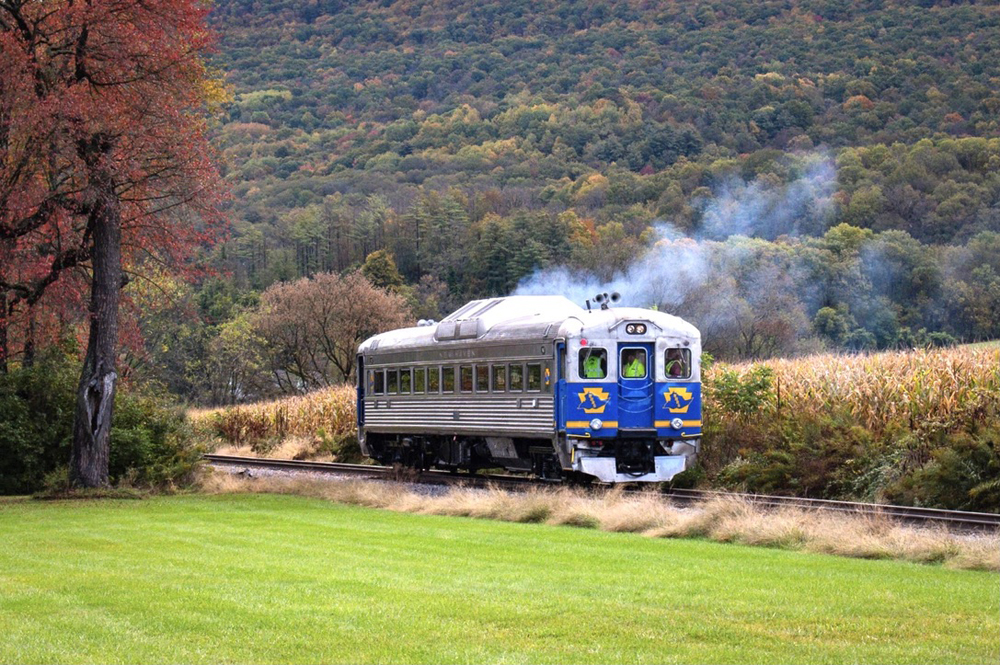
<point x="592" y="365"/>
<point x="633" y="367"/>
<point x="675" y="363"/>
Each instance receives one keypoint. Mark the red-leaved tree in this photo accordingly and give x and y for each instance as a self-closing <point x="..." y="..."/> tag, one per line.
<point x="104" y="169"/>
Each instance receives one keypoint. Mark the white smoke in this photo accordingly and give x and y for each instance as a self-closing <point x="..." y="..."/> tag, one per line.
<point x="764" y="208"/>
<point x="677" y="266"/>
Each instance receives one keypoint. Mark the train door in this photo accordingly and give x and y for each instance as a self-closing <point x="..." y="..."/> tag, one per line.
<point x="362" y="379"/>
<point x="635" y="386"/>
<point x="562" y="371"/>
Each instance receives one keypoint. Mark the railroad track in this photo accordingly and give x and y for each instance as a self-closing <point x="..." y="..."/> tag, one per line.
<point x="371" y="471"/>
<point x="952" y="518"/>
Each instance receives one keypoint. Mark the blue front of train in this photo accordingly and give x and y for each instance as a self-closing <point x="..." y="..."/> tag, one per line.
<point x="630" y="400"/>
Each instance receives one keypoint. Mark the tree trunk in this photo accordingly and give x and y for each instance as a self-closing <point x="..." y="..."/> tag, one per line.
<point x="4" y="344"/>
<point x="29" y="340"/>
<point x="96" y="393"/>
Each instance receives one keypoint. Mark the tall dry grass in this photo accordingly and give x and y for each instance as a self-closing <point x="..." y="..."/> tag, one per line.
<point x="913" y="427"/>
<point x="729" y="520"/>
<point x="919" y="389"/>
<point x="293" y="422"/>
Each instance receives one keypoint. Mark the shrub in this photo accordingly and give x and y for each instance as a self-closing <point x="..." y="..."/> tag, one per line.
<point x="36" y="422"/>
<point x="151" y="442"/>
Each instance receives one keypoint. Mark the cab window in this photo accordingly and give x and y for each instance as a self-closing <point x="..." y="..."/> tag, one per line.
<point x="677" y="364"/>
<point x="392" y="381"/>
<point x="404" y="381"/>
<point x="593" y="363"/>
<point x="379" y="383"/>
<point x="632" y="364"/>
<point x="466" y="378"/>
<point x="419" y="380"/>
<point x="448" y="379"/>
<point x="433" y="379"/>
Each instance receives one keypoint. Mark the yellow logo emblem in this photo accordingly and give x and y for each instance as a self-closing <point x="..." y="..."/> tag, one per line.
<point x="678" y="399"/>
<point x="593" y="400"/>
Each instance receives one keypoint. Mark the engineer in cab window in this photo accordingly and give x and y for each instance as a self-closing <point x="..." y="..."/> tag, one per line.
<point x="633" y="365"/>
<point x="676" y="366"/>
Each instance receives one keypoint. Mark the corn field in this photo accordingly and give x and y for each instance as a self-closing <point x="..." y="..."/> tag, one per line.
<point x="330" y="411"/>
<point x="921" y="390"/>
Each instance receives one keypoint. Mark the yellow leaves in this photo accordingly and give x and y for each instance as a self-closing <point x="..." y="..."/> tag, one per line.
<point x="215" y="91"/>
<point x="858" y="102"/>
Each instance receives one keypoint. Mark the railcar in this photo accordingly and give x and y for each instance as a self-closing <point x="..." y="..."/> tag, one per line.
<point x="535" y="384"/>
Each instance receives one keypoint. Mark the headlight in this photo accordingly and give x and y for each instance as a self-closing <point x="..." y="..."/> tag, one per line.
<point x="596" y="423"/>
<point x="677" y="423"/>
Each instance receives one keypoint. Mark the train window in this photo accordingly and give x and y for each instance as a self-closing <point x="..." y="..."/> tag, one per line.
<point x="448" y="379"/>
<point x="482" y="378"/>
<point x="534" y="377"/>
<point x="391" y="381"/>
<point x="405" y="381"/>
<point x="593" y="363"/>
<point x="677" y="364"/>
<point x="433" y="379"/>
<point x="378" y="382"/>
<point x="419" y="380"/>
<point x="465" y="377"/>
<point x="499" y="378"/>
<point x="516" y="378"/>
<point x="632" y="363"/>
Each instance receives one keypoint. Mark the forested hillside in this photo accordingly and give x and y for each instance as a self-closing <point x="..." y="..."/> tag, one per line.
<point x="620" y="111"/>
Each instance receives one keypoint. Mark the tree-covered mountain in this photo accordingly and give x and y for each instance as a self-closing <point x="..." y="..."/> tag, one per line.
<point x="533" y="100"/>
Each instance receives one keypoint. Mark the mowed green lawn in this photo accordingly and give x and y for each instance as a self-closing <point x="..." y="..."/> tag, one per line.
<point x="259" y="578"/>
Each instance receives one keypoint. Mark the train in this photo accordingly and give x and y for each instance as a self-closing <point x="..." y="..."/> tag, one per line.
<point x="537" y="385"/>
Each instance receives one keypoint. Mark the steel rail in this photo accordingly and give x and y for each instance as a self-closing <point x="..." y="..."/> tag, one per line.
<point x="957" y="518"/>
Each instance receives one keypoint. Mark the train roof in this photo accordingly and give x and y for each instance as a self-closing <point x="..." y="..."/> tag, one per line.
<point x="523" y="318"/>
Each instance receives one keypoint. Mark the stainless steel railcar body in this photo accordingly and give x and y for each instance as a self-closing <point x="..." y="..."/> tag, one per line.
<point x="535" y="383"/>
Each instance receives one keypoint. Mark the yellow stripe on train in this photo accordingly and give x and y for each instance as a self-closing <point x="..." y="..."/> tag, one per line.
<point x="584" y="424"/>
<point x="684" y="423"/>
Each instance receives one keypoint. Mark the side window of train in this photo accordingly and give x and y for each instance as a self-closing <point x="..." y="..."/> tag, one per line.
<point x="499" y="378"/>
<point x="433" y="379"/>
<point x="465" y="378"/>
<point x="391" y="381"/>
<point x="419" y="380"/>
<point x="677" y="364"/>
<point x="448" y="379"/>
<point x="482" y="378"/>
<point x="593" y="363"/>
<point x="404" y="381"/>
<point x="633" y="363"/>
<point x="534" y="377"/>
<point x="378" y="382"/>
<point x="516" y="378"/>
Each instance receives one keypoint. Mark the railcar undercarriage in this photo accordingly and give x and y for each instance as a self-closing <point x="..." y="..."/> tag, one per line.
<point x="633" y="455"/>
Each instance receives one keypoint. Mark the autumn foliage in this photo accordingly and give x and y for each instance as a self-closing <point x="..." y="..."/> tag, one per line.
<point x="106" y="87"/>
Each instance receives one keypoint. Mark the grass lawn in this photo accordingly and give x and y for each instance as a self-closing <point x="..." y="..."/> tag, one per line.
<point x="263" y="578"/>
